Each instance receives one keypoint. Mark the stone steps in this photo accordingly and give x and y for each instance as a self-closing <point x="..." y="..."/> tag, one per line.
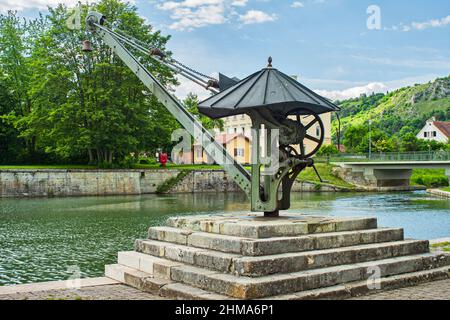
<point x="247" y="256"/>
<point x="257" y="227"/>
<point x="173" y="290"/>
<point x="267" y="286"/>
<point x="163" y="287"/>
<point x="270" y="246"/>
<point x="281" y="263"/>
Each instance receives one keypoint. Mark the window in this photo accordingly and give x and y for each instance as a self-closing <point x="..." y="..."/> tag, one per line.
<point x="318" y="132"/>
<point x="199" y="153"/>
<point x="434" y="134"/>
<point x="238" y="152"/>
<point x="425" y="134"/>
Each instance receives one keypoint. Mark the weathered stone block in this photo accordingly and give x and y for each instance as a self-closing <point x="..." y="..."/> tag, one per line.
<point x="168" y="234"/>
<point x="150" y="247"/>
<point x="181" y="254"/>
<point x="162" y="269"/>
<point x="215" y="242"/>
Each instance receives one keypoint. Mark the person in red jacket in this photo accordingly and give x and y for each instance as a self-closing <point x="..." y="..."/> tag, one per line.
<point x="163" y="158"/>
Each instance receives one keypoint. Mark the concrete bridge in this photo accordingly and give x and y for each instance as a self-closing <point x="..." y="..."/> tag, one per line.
<point x="385" y="174"/>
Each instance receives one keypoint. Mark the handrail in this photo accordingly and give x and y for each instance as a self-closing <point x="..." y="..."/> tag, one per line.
<point x="440" y="155"/>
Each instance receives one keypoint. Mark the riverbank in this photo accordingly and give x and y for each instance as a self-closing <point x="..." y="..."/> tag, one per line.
<point x="96" y="182"/>
<point x="75" y="182"/>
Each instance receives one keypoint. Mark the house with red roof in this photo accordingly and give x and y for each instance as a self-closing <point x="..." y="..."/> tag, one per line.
<point x="435" y="131"/>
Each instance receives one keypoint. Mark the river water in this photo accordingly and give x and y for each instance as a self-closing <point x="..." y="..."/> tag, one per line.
<point x="53" y="239"/>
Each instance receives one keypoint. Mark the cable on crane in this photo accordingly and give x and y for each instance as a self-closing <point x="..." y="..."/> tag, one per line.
<point x="207" y="82"/>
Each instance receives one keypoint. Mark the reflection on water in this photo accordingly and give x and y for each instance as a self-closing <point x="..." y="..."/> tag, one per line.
<point x="41" y="238"/>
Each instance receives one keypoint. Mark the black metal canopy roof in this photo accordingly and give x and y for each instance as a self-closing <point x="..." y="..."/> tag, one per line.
<point x="268" y="88"/>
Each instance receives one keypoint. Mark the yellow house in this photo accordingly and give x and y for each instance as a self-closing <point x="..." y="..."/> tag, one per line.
<point x="238" y="145"/>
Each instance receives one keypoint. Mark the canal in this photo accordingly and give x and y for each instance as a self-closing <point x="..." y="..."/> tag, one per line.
<point x="52" y="239"/>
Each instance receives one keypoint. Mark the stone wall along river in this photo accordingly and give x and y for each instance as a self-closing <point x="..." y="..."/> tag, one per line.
<point x="64" y="183"/>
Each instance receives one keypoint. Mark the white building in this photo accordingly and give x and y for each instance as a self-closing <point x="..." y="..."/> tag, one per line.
<point x="435" y="131"/>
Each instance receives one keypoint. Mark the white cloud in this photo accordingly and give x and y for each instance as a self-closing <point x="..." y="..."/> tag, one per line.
<point x="191" y="14"/>
<point x="433" y="23"/>
<point x="239" y="3"/>
<point x="20" y="5"/>
<point x="375" y="87"/>
<point x="187" y="19"/>
<point x="297" y="4"/>
<point x="256" y="16"/>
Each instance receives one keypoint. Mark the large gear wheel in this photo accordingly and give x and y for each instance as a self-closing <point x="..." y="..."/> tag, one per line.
<point x="302" y="125"/>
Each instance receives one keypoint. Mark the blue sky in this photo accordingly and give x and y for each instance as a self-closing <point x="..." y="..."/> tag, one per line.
<point x="326" y="43"/>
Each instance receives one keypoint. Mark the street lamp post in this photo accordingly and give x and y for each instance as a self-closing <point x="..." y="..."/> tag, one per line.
<point x="370" y="139"/>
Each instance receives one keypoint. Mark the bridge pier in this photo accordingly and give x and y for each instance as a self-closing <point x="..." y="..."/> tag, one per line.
<point x="379" y="178"/>
<point x="393" y="174"/>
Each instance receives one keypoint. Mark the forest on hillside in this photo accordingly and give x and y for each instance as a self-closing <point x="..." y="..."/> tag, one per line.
<point x="394" y="118"/>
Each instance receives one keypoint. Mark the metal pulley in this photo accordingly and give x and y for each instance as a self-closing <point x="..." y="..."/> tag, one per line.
<point x="213" y="84"/>
<point x="87" y="46"/>
<point x="157" y="52"/>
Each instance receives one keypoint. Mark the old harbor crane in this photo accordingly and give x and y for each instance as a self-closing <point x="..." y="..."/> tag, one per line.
<point x="274" y="101"/>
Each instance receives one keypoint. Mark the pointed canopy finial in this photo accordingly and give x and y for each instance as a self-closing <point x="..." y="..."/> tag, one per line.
<point x="270" y="63"/>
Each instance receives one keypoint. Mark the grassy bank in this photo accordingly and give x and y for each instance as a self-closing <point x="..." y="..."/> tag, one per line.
<point x="87" y="167"/>
<point x="445" y="246"/>
<point x="446" y="189"/>
<point x="430" y="178"/>
<point x="325" y="171"/>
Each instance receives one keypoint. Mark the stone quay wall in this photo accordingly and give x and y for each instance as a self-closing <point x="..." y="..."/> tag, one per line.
<point x="67" y="183"/>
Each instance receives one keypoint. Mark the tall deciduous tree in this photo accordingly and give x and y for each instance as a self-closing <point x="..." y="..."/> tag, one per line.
<point x="92" y="103"/>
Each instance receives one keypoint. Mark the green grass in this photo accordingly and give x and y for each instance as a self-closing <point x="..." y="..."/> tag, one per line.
<point x="170" y="183"/>
<point x="430" y="178"/>
<point x="444" y="246"/>
<point x="325" y="172"/>
<point x="87" y="167"/>
<point x="439" y="245"/>
<point x="446" y="189"/>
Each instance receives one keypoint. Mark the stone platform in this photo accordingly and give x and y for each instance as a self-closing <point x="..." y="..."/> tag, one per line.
<point x="294" y="257"/>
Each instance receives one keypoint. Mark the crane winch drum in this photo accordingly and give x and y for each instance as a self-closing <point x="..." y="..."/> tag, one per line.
<point x="273" y="101"/>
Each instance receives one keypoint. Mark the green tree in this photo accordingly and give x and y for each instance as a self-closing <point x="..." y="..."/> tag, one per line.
<point x="409" y="143"/>
<point x="15" y="74"/>
<point x="354" y="136"/>
<point x="327" y="150"/>
<point x="92" y="104"/>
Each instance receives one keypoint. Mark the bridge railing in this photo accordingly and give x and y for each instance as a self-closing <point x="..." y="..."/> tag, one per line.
<point x="440" y="155"/>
